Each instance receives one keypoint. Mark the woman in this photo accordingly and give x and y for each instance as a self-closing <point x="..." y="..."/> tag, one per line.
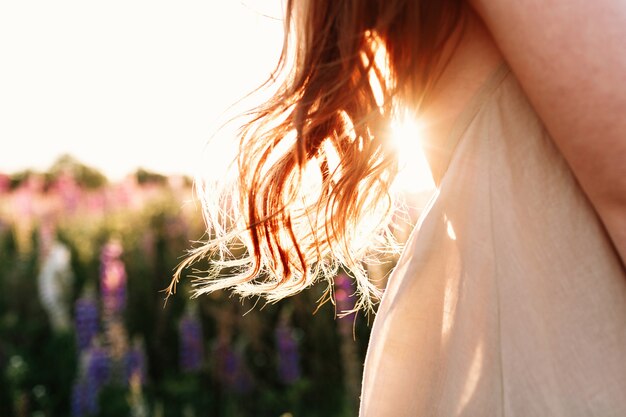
<point x="510" y="296"/>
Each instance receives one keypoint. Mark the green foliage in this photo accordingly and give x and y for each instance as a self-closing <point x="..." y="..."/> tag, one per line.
<point x="147" y="177"/>
<point x="85" y="176"/>
<point x="113" y="401"/>
<point x="39" y="363"/>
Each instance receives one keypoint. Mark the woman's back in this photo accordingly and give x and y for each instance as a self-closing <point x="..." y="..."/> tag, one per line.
<point x="509" y="298"/>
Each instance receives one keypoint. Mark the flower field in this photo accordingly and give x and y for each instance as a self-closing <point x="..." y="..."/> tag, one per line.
<point x="85" y="330"/>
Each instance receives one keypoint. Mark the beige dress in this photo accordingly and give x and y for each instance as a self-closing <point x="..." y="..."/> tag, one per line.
<point x="509" y="299"/>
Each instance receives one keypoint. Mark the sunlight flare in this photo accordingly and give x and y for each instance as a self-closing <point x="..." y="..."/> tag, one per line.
<point x="414" y="173"/>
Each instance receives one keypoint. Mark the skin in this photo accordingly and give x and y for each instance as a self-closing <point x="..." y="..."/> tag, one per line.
<point x="471" y="57"/>
<point x="570" y="58"/>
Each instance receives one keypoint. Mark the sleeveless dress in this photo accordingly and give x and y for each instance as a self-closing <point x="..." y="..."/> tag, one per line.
<point x="509" y="299"/>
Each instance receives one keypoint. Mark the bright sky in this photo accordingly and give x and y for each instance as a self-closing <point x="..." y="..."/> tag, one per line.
<point x="122" y="84"/>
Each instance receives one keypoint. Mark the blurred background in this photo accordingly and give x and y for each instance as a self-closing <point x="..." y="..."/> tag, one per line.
<point x="105" y="109"/>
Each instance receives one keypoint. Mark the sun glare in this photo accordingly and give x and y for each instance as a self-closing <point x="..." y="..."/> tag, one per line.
<point x="414" y="174"/>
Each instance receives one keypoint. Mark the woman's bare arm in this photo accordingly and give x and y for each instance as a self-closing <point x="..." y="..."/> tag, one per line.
<point x="570" y="57"/>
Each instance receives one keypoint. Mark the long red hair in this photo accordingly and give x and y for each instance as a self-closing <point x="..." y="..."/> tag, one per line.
<point x="329" y="120"/>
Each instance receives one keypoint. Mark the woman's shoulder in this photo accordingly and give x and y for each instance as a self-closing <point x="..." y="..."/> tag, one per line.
<point x="570" y="59"/>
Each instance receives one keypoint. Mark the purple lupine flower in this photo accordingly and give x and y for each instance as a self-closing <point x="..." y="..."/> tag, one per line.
<point x="243" y="380"/>
<point x="79" y="394"/>
<point x="98" y="367"/>
<point x="225" y="362"/>
<point x="117" y="348"/>
<point x="136" y="363"/>
<point x="288" y="355"/>
<point x="86" y="321"/>
<point x="91" y="397"/>
<point x="191" y="348"/>
<point x="84" y="400"/>
<point x="344" y="296"/>
<point x="230" y="368"/>
<point x="112" y="279"/>
<point x="87" y="389"/>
